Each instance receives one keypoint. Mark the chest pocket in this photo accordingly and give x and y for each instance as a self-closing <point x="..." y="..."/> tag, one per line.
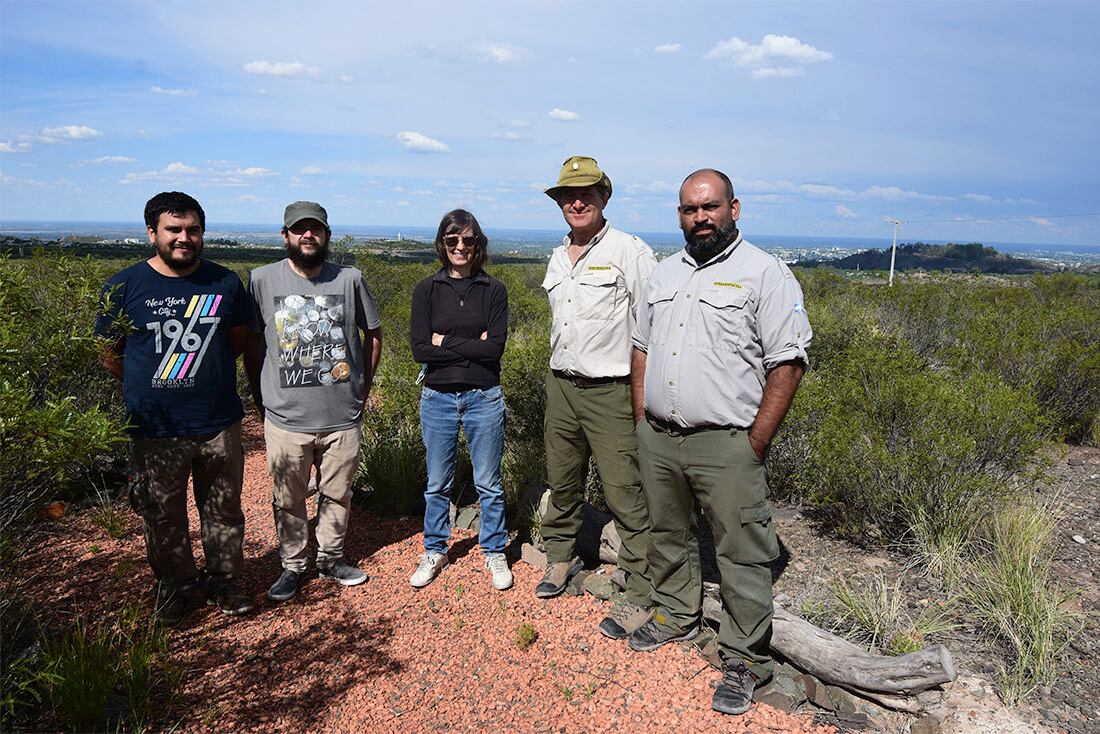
<point x="724" y="316"/>
<point x="660" y="314"/>
<point x="598" y="294"/>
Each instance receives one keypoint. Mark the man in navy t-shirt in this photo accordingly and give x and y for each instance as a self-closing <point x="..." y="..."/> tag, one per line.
<point x="176" y="324"/>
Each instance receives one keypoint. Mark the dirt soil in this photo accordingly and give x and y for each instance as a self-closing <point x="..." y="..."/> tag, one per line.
<point x="383" y="656"/>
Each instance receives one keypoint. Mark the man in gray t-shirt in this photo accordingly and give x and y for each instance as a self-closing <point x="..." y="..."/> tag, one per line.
<point x="310" y="372"/>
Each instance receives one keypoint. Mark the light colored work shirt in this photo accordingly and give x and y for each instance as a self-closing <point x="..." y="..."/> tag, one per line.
<point x="712" y="333"/>
<point x="594" y="303"/>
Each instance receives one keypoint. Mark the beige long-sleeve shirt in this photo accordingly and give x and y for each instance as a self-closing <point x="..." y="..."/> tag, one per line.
<point x="712" y="333"/>
<point x="594" y="303"/>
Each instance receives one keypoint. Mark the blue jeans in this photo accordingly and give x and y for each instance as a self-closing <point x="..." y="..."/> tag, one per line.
<point x="481" y="414"/>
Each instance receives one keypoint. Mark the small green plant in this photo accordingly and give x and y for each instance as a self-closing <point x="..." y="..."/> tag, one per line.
<point x="526" y="635"/>
<point x="458" y="624"/>
<point x="83" y="666"/>
<point x="875" y="611"/>
<point x="94" y="548"/>
<point x="124" y="567"/>
<point x="210" y="714"/>
<point x="590" y="689"/>
<point x="566" y="692"/>
<point x="107" y="515"/>
<point x="460" y="591"/>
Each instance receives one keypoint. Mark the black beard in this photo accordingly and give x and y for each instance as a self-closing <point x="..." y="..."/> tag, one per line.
<point x="702" y="249"/>
<point x="176" y="265"/>
<point x="303" y="260"/>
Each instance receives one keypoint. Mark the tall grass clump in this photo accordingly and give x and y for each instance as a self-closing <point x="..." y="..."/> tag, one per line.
<point x="1011" y="589"/>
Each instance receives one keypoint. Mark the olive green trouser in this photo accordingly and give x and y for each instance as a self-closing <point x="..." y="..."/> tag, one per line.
<point x="718" y="468"/>
<point x="159" y="470"/>
<point x="595" y="420"/>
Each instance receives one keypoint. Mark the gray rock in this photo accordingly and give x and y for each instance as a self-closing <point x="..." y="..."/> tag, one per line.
<point x="926" y="725"/>
<point x="599" y="586"/>
<point x="777" y="700"/>
<point x="1048" y="714"/>
<point x="619" y="577"/>
<point x="532" y="556"/>
<point x="843" y="702"/>
<point x="709" y="651"/>
<point x="1074" y="461"/>
<point x="784" y="684"/>
<point x="467" y="516"/>
<point x="712" y="610"/>
<point x="814" y="691"/>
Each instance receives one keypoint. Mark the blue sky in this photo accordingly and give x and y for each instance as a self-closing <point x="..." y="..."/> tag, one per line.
<point x="976" y="121"/>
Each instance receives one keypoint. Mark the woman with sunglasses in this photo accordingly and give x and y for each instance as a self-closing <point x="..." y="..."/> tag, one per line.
<point x="458" y="329"/>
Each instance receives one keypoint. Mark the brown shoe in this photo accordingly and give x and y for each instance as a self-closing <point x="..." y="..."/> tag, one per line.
<point x="625" y="617"/>
<point x="557" y="578"/>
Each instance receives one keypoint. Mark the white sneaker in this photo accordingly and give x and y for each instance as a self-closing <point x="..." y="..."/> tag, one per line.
<point x="498" y="566"/>
<point x="427" y="569"/>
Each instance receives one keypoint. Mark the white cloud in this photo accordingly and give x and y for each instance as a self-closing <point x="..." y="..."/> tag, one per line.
<point x="69" y="132"/>
<point x="110" y="159"/>
<point x="346" y="79"/>
<point x="845" y="212"/>
<point x="563" y="115"/>
<point x="774" y="57"/>
<point x="979" y="198"/>
<point x="180" y="169"/>
<point x="1041" y="221"/>
<point x="417" y="143"/>
<point x="667" y="48"/>
<point x="255" y="172"/>
<point x="311" y="171"/>
<point x="510" y="135"/>
<point x="502" y="53"/>
<point x="894" y="193"/>
<point x="158" y="89"/>
<point x="661" y="186"/>
<point x="139" y="133"/>
<point x="778" y="72"/>
<point x="519" y="124"/>
<point x="285" y="69"/>
<point x="12" y="147"/>
<point x="248" y="198"/>
<point x="826" y="190"/>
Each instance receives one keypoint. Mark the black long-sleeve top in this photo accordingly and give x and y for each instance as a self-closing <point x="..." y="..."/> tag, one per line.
<point x="464" y="360"/>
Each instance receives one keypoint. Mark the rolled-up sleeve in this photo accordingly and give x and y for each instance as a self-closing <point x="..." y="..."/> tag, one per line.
<point x="784" y="328"/>
<point x="644" y="321"/>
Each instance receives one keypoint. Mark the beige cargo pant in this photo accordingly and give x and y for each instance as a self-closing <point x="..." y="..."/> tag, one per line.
<point x="291" y="458"/>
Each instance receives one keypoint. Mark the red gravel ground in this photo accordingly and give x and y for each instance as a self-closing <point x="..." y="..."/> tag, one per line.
<point x="385" y="657"/>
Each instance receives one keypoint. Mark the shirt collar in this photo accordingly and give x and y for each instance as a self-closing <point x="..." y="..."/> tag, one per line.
<point x="568" y="238"/>
<point x="686" y="257"/>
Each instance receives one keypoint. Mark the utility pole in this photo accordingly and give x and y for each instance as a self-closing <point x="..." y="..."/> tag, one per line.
<point x="893" y="248"/>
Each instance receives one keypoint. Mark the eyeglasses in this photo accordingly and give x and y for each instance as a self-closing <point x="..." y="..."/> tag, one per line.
<point x="452" y="241"/>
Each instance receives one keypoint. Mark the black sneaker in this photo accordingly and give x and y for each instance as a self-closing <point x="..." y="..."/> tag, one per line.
<point x="229" y="599"/>
<point x="557" y="578"/>
<point x="172" y="607"/>
<point x="734" y="694"/>
<point x="650" y="636"/>
<point x="342" y="573"/>
<point x="286" y="586"/>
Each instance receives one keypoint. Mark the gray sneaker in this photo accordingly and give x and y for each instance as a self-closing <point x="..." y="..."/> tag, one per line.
<point x="342" y="573"/>
<point x="557" y="578"/>
<point x="650" y="636"/>
<point x="427" y="569"/>
<point x="625" y="617"/>
<point x="734" y="694"/>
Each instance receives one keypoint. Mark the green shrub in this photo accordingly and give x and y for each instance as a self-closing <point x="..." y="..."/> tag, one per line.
<point x="898" y="450"/>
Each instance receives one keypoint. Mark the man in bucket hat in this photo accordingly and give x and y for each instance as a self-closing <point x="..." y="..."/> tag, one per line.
<point x="593" y="281"/>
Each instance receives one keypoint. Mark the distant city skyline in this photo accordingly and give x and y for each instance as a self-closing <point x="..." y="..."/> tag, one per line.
<point x="972" y="121"/>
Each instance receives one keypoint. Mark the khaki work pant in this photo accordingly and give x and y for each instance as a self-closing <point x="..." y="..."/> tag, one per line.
<point x="718" y="468"/>
<point x="597" y="421"/>
<point x="159" y="470"/>
<point x="291" y="458"/>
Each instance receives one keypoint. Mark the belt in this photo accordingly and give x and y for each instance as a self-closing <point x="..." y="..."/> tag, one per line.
<point x="583" y="382"/>
<point x="673" y="429"/>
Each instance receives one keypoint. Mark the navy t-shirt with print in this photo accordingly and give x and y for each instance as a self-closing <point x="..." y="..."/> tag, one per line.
<point x="179" y="366"/>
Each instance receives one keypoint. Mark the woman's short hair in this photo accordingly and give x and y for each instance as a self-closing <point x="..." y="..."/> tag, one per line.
<point x="456" y="222"/>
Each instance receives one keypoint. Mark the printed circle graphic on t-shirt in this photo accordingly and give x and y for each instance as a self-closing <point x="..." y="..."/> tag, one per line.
<point x="312" y="346"/>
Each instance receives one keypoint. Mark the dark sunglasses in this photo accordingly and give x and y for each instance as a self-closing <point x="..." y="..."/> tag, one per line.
<point x="451" y="241"/>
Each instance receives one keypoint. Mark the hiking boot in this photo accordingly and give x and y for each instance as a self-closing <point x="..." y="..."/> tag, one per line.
<point x="171" y="608"/>
<point x="286" y="586"/>
<point x="498" y="566"/>
<point x="230" y="600"/>
<point x="557" y="578"/>
<point x="734" y="694"/>
<point x="342" y="573"/>
<point x="427" y="569"/>
<point x="650" y="636"/>
<point x="625" y="617"/>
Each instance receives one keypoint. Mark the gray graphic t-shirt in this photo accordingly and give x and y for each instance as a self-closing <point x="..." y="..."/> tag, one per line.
<point x="313" y="369"/>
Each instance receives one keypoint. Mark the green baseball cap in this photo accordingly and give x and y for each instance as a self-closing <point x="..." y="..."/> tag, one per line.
<point x="578" y="172"/>
<point x="300" y="210"/>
